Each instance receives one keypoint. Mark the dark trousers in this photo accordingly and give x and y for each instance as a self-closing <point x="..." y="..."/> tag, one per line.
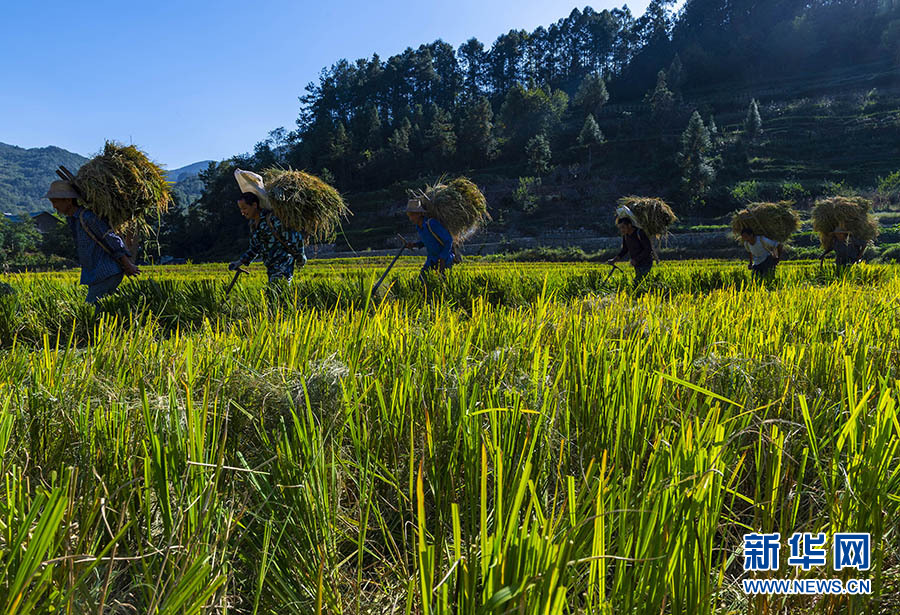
<point x="104" y="287"/>
<point x="767" y="267"/>
<point x="641" y="271"/>
<point x="435" y="268"/>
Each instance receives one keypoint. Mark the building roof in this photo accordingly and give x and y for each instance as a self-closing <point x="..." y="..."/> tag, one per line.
<point x="18" y="218"/>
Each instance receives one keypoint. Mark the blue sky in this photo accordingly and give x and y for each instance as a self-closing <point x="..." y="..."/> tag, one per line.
<point x="193" y="80"/>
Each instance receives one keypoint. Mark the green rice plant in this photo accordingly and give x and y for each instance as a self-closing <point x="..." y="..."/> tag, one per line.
<point x="519" y="438"/>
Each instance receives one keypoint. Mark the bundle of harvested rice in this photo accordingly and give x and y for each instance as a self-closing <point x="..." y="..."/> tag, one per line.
<point x="777" y="221"/>
<point x="305" y="203"/>
<point x="652" y="215"/>
<point x="458" y="205"/>
<point x="849" y="213"/>
<point x="123" y="187"/>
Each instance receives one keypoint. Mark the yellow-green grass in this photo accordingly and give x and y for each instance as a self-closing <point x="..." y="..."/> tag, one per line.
<point x="533" y="442"/>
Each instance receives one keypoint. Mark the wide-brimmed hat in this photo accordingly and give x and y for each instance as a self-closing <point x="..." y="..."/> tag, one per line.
<point x="61" y="190"/>
<point x="414" y="206"/>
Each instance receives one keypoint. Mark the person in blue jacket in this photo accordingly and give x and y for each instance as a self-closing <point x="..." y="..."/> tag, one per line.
<point x="433" y="236"/>
<point x="102" y="254"/>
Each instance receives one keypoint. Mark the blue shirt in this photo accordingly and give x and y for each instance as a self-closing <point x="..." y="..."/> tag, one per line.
<point x="279" y="260"/>
<point x="96" y="264"/>
<point x="437" y="242"/>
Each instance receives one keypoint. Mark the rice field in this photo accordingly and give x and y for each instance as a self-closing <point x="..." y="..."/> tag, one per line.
<point x="530" y="438"/>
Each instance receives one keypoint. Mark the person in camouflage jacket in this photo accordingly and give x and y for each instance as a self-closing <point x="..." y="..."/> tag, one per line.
<point x="279" y="247"/>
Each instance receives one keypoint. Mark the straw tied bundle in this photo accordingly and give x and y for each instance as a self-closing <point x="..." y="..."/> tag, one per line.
<point x="850" y="214"/>
<point x="653" y="216"/>
<point x="458" y="205"/>
<point x="777" y="221"/>
<point x="123" y="187"/>
<point x="305" y="203"/>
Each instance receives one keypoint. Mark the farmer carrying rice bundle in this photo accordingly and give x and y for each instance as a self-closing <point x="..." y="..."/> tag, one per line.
<point x="124" y="188"/>
<point x="846" y="251"/>
<point x="653" y="216"/>
<point x="433" y="236"/>
<point x="107" y="205"/>
<point x="279" y="247"/>
<point x="763" y="228"/>
<point x="445" y="215"/>
<point x="845" y="226"/>
<point x="639" y="219"/>
<point x="102" y="254"/>
<point x="636" y="244"/>
<point x="304" y="203"/>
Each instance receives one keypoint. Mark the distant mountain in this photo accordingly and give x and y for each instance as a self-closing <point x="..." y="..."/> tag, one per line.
<point x="25" y="175"/>
<point x="188" y="186"/>
<point x="191" y="170"/>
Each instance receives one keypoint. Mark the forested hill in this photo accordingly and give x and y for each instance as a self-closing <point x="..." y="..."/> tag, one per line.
<point x="478" y="105"/>
<point x="721" y="102"/>
<point x="26" y="173"/>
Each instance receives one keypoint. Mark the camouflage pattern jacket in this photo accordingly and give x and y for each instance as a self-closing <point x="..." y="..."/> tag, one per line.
<point x="278" y="255"/>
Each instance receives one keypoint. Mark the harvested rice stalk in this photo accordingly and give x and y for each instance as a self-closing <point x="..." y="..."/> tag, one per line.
<point x="458" y="205"/>
<point x="305" y="203"/>
<point x="849" y="213"/>
<point x="777" y="221"/>
<point x="652" y="215"/>
<point x="123" y="187"/>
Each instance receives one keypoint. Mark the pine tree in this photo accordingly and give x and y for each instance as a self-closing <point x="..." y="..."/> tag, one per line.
<point x="477" y="131"/>
<point x="675" y="74"/>
<point x="753" y="122"/>
<point x="697" y="172"/>
<point x="340" y="142"/>
<point x="590" y="135"/>
<point x="340" y="149"/>
<point x="660" y="98"/>
<point x="473" y="58"/>
<point x="398" y="142"/>
<point x="590" y="132"/>
<point x="417" y="134"/>
<point x="368" y="129"/>
<point x="539" y="154"/>
<point x="440" y="139"/>
<point x="713" y="129"/>
<point x="592" y="94"/>
<point x="529" y="112"/>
